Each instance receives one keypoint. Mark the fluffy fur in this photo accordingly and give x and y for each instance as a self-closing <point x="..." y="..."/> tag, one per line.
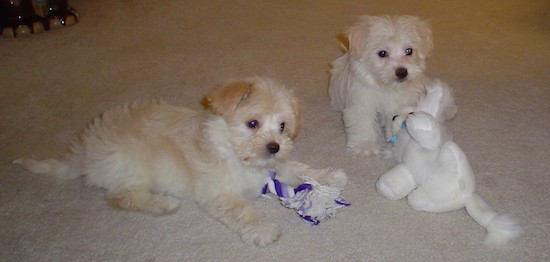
<point x="380" y="75"/>
<point x="149" y="155"/>
<point x="434" y="173"/>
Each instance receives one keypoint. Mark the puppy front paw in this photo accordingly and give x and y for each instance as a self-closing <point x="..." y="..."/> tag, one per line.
<point x="328" y="176"/>
<point x="450" y="112"/>
<point x="261" y="235"/>
<point x="364" y="148"/>
<point x="337" y="178"/>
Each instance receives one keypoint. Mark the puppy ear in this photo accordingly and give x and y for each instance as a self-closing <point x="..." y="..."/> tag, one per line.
<point x="344" y="42"/>
<point x="425" y="34"/>
<point x="357" y="37"/>
<point x="295" y="128"/>
<point x="226" y="98"/>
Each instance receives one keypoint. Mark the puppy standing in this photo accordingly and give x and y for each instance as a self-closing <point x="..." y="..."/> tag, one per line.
<point x="147" y="155"/>
<point x="381" y="75"/>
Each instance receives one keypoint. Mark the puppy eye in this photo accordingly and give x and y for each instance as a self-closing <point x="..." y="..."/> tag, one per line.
<point x="282" y="127"/>
<point x="252" y="124"/>
<point x="408" y="51"/>
<point x="394" y="117"/>
<point x="383" y="53"/>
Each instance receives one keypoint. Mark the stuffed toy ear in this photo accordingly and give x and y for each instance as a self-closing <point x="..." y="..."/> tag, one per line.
<point x="438" y="101"/>
<point x="228" y="97"/>
<point x="425" y="130"/>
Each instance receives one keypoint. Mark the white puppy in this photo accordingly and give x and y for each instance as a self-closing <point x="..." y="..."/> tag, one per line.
<point x="380" y="75"/>
<point x="149" y="155"/>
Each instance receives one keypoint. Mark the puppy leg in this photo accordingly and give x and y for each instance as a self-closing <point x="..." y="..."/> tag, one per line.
<point x="362" y="130"/>
<point x="291" y="171"/>
<point x="241" y="216"/>
<point x="141" y="199"/>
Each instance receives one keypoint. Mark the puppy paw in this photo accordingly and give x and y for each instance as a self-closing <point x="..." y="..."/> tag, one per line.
<point x="167" y="206"/>
<point x="337" y="178"/>
<point x="328" y="176"/>
<point x="143" y="200"/>
<point x="261" y="235"/>
<point x="364" y="149"/>
<point x="450" y="112"/>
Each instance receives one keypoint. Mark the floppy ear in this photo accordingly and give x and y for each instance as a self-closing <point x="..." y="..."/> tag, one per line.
<point x="226" y="98"/>
<point x="297" y="109"/>
<point x="425" y="34"/>
<point x="357" y="37"/>
<point x="344" y="42"/>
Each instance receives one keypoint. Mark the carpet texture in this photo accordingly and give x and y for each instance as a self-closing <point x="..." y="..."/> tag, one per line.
<point x="495" y="54"/>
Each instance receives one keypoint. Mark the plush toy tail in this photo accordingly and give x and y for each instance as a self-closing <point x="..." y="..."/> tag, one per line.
<point x="500" y="228"/>
<point x="52" y="167"/>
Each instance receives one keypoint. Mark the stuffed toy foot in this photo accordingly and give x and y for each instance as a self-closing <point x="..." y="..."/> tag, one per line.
<point x="396" y="183"/>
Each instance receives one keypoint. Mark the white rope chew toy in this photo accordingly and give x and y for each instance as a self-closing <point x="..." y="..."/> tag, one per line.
<point x="313" y="201"/>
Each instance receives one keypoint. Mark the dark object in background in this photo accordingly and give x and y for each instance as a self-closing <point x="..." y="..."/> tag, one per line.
<point x="25" y="17"/>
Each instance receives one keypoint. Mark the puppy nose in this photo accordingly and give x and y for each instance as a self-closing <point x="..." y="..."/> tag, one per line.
<point x="401" y="72"/>
<point x="273" y="148"/>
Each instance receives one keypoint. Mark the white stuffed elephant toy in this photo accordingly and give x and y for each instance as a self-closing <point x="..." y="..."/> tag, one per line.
<point x="433" y="172"/>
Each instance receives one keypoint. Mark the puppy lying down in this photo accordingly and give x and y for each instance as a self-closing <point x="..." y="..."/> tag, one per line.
<point x="149" y="155"/>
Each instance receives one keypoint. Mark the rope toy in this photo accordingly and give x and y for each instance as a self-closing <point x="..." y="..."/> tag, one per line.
<point x="311" y="200"/>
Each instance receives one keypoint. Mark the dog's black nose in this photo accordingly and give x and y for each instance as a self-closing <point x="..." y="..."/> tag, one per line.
<point x="273" y="148"/>
<point x="401" y="72"/>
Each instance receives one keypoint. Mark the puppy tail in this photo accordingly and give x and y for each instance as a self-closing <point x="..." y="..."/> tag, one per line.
<point x="500" y="228"/>
<point x="51" y="167"/>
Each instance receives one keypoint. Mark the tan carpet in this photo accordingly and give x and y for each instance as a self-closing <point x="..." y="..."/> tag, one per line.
<point x="496" y="54"/>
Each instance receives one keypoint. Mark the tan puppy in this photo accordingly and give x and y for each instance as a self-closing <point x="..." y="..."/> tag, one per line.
<point x="381" y="75"/>
<point x="148" y="155"/>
